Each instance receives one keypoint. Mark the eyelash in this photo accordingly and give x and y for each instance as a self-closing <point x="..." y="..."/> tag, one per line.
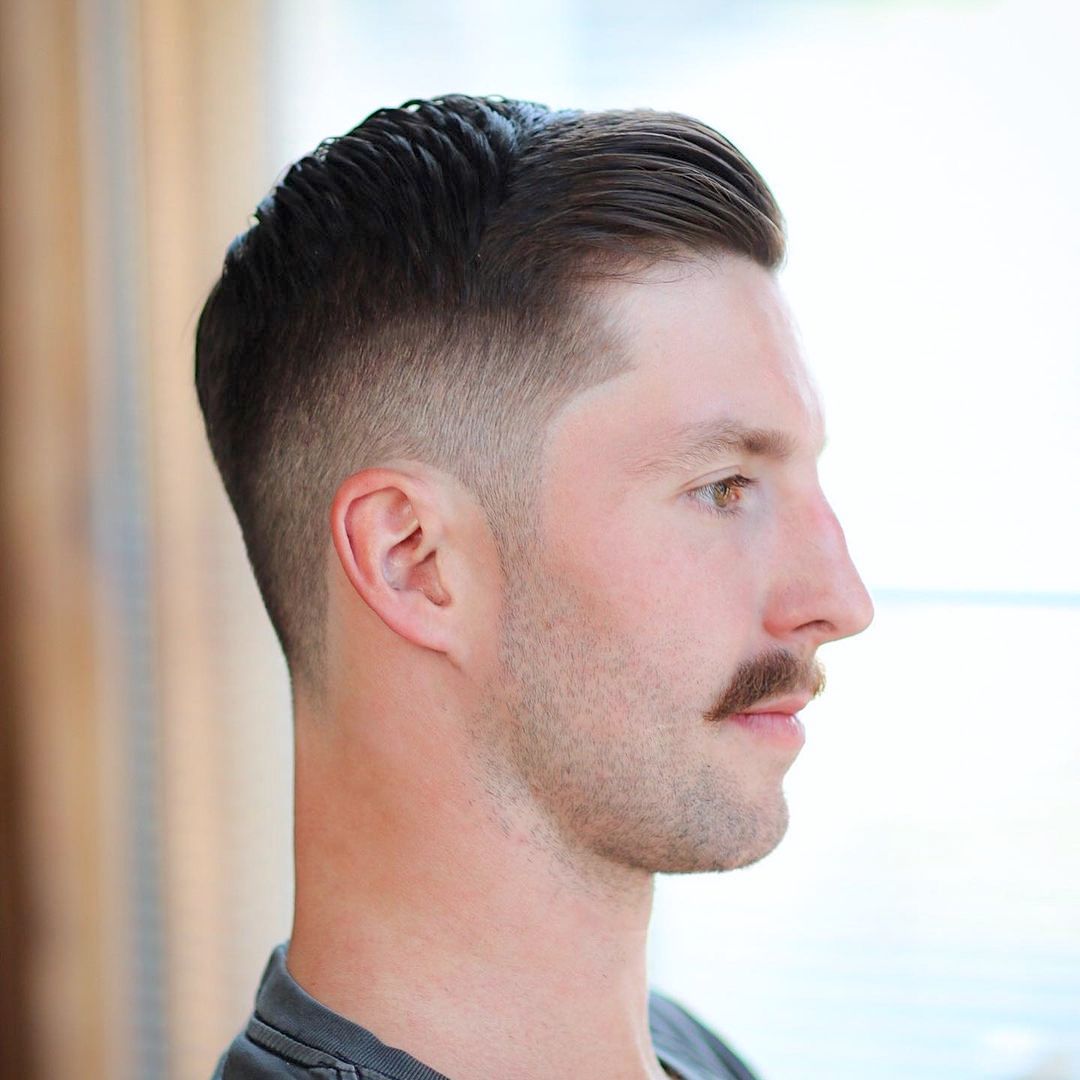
<point x="734" y="484"/>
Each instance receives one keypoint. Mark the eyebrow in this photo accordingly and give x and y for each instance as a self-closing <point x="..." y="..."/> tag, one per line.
<point x="703" y="441"/>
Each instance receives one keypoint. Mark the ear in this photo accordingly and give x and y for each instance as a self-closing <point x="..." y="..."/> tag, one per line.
<point x="387" y="528"/>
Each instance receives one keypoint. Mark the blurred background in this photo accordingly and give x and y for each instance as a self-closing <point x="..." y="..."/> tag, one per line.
<point x="923" y="916"/>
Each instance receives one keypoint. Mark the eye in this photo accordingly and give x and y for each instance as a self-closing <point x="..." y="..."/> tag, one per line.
<point x="722" y="496"/>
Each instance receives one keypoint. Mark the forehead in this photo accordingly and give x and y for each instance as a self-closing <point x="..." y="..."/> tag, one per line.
<point x="712" y="352"/>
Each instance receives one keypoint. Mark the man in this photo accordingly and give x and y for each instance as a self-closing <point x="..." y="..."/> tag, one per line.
<point x="515" y="423"/>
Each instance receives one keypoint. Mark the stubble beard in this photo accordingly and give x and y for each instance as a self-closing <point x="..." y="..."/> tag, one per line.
<point x="587" y="735"/>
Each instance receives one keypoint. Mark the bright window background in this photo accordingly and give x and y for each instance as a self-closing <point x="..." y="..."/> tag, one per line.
<point x="923" y="916"/>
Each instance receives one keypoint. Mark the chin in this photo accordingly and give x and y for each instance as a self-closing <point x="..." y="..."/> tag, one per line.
<point x="757" y="834"/>
<point x="744" y="839"/>
<point x="771" y="829"/>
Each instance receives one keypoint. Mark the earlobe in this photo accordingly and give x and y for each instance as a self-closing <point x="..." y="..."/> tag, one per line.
<point x="387" y="535"/>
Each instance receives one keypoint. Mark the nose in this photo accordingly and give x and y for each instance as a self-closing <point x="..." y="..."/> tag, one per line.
<point x="818" y="595"/>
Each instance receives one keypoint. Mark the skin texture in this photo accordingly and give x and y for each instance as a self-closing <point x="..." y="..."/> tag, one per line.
<point x="502" y="762"/>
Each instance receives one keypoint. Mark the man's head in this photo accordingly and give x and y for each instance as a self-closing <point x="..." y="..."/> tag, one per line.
<point x="424" y="288"/>
<point x="690" y="570"/>
<point x="568" y="323"/>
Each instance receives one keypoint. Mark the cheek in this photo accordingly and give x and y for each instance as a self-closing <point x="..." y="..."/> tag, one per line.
<point x="678" y="584"/>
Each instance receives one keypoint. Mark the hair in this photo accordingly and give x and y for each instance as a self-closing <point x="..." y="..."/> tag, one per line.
<point x="422" y="289"/>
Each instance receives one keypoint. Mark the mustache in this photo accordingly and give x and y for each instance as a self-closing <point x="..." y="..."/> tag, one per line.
<point x="773" y="674"/>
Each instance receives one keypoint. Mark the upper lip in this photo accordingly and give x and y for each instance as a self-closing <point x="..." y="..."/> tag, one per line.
<point x="788" y="705"/>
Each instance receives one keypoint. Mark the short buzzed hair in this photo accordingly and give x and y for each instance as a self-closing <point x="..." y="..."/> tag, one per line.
<point x="420" y="289"/>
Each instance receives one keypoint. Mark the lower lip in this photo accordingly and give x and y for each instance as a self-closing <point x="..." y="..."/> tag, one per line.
<point x="784" y="728"/>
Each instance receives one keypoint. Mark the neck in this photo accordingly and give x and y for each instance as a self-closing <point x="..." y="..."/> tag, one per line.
<point x="453" y="927"/>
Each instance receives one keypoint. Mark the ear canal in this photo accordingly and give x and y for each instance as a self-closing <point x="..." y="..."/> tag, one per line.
<point x="403" y="571"/>
<point x="429" y="581"/>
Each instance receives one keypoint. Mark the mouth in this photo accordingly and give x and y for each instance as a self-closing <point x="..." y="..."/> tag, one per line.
<point x="789" y="706"/>
<point x="776" y="722"/>
<point x="783" y="729"/>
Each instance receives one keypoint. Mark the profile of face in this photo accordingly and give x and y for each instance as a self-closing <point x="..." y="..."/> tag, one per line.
<point x="685" y="569"/>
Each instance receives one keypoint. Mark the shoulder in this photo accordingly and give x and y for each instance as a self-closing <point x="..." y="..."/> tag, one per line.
<point x="679" y="1035"/>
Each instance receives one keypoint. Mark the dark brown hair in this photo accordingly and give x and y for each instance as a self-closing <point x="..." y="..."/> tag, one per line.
<point x="420" y="289"/>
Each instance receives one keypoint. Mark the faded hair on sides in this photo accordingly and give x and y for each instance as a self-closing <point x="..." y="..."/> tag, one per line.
<point x="423" y="288"/>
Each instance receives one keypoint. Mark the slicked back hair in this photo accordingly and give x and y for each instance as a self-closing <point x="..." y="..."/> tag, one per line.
<point x="422" y="289"/>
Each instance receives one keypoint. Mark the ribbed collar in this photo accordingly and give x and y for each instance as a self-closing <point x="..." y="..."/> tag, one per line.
<point x="283" y="1005"/>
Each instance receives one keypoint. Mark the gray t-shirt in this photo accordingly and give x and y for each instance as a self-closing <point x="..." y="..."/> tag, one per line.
<point x="291" y="1035"/>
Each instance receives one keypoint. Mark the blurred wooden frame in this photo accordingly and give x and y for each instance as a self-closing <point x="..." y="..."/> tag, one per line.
<point x="142" y="117"/>
<point x="55" y="942"/>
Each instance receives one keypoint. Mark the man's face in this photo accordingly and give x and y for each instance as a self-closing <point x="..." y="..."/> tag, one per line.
<point x="686" y="568"/>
